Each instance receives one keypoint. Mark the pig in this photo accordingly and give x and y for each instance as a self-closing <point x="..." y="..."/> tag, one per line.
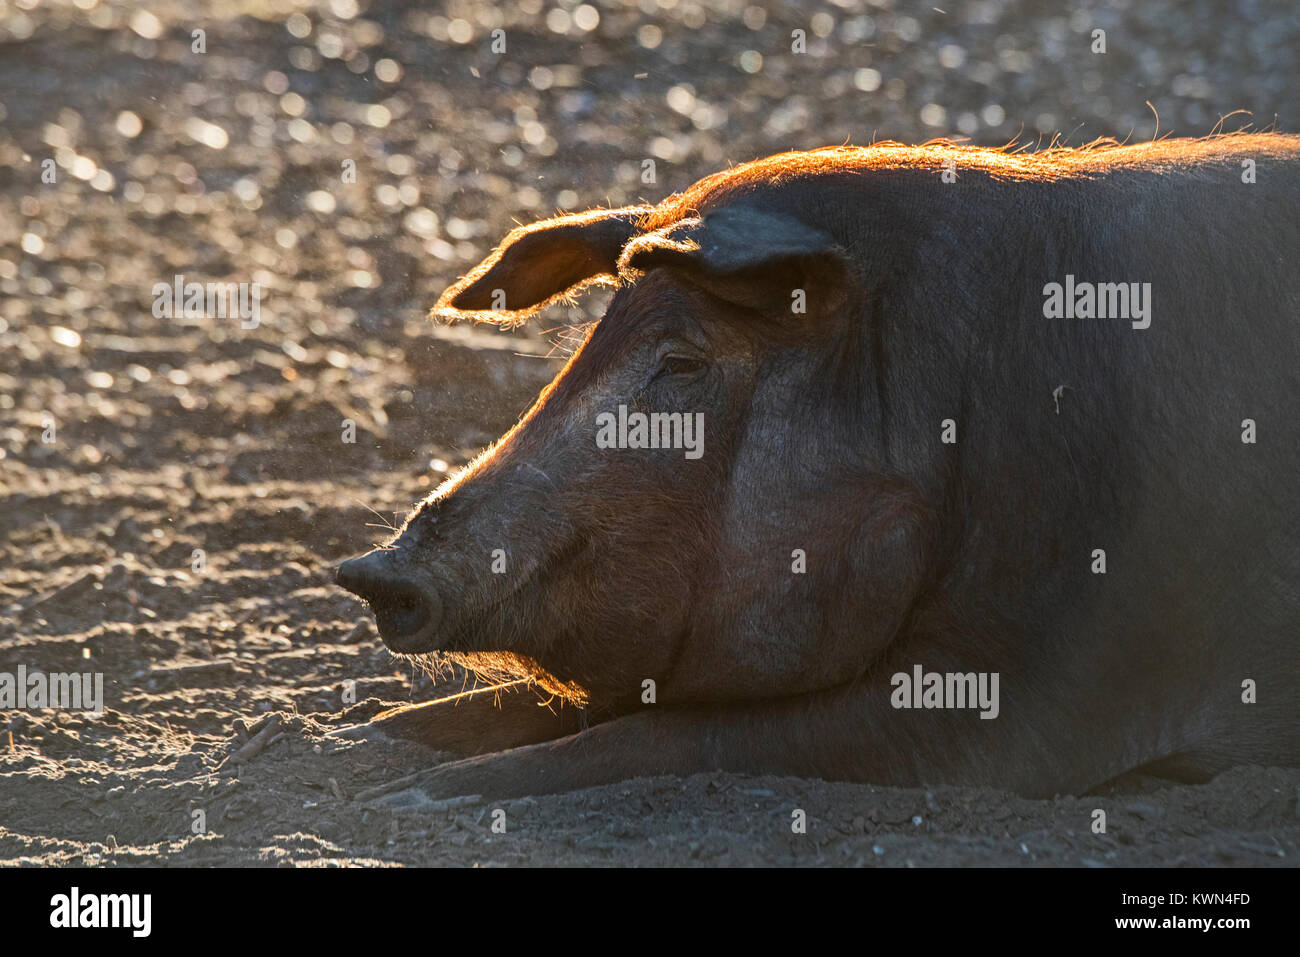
<point x="996" y="485"/>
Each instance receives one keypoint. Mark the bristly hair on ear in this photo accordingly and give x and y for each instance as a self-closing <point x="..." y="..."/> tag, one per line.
<point x="546" y="262"/>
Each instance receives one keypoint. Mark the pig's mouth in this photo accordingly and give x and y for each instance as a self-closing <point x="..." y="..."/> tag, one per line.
<point x="473" y="623"/>
<point x="413" y="620"/>
<point x="403" y="616"/>
<point x="407" y="615"/>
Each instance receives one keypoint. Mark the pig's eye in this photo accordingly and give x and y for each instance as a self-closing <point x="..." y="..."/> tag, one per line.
<point x="679" y="366"/>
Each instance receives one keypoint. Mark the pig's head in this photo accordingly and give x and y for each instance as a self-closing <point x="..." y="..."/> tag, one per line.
<point x="771" y="551"/>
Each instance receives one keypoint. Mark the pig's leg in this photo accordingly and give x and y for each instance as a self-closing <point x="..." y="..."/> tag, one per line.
<point x="641" y="745"/>
<point x="480" y="721"/>
<point x="845" y="735"/>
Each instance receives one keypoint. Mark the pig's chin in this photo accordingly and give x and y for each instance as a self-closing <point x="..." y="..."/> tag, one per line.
<point x="496" y="667"/>
<point x="480" y="649"/>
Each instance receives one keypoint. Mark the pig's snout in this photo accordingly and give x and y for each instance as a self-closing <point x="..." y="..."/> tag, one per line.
<point x="407" y="614"/>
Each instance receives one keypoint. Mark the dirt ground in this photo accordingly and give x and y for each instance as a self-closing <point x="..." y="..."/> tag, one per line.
<point x="175" y="491"/>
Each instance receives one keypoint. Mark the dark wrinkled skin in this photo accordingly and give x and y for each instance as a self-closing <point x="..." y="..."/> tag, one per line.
<point x="822" y="433"/>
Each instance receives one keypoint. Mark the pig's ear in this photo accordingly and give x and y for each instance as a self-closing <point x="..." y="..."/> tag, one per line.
<point x="769" y="261"/>
<point x="538" y="264"/>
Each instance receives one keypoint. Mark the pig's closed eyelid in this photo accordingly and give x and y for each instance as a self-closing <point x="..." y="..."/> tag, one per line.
<point x="676" y="361"/>
<point x="684" y="349"/>
<point x="675" y="365"/>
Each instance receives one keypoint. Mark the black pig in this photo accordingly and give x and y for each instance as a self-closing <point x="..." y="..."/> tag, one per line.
<point x="998" y="482"/>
